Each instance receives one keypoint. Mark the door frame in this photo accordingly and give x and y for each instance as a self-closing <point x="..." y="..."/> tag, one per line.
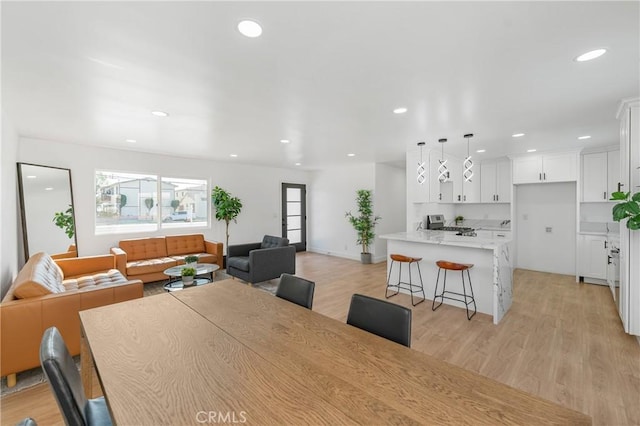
<point x="301" y="246"/>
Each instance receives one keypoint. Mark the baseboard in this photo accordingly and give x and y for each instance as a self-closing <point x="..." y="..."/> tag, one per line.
<point x="344" y="255"/>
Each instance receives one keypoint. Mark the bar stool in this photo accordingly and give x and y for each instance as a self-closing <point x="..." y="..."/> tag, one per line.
<point x="467" y="300"/>
<point x="413" y="288"/>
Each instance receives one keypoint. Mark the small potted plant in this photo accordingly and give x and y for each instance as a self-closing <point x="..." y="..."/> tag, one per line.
<point x="187" y="276"/>
<point x="191" y="260"/>
<point x="459" y="220"/>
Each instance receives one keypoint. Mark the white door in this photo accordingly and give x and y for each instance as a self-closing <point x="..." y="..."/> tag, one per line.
<point x="527" y="169"/>
<point x="488" y="182"/>
<point x="559" y="167"/>
<point x="613" y="171"/>
<point x="503" y="181"/>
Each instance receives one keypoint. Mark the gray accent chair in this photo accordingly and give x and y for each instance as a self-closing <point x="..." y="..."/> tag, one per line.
<point x="296" y="290"/>
<point x="380" y="317"/>
<point x="63" y="377"/>
<point x="257" y="262"/>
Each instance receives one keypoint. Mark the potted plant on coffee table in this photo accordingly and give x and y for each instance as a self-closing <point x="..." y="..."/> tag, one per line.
<point x="364" y="222"/>
<point x="191" y="260"/>
<point x="188" y="275"/>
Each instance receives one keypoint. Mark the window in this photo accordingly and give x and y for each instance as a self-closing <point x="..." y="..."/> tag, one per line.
<point x="133" y="202"/>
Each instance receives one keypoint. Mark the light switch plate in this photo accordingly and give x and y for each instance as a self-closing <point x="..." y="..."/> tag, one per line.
<point x="548" y="229"/>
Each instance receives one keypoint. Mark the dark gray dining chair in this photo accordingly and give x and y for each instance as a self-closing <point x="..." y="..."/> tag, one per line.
<point x="63" y="377"/>
<point x="296" y="290"/>
<point x="380" y="317"/>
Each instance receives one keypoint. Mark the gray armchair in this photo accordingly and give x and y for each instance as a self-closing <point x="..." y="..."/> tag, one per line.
<point x="257" y="262"/>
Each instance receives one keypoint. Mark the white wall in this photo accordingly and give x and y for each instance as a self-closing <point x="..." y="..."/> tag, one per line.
<point x="538" y="206"/>
<point x="10" y="248"/>
<point x="331" y="193"/>
<point x="390" y="203"/>
<point x="259" y="188"/>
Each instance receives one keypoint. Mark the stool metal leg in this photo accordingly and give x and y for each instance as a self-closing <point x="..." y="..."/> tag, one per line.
<point x="386" y="295"/>
<point x="473" y="299"/>
<point x="421" y="285"/>
<point x="435" y="293"/>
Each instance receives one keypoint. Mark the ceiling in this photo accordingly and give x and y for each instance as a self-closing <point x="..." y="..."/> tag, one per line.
<point x="324" y="75"/>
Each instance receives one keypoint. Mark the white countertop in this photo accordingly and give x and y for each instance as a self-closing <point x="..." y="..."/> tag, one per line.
<point x="446" y="238"/>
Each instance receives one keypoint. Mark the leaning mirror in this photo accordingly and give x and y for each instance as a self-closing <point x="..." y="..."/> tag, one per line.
<point x="46" y="204"/>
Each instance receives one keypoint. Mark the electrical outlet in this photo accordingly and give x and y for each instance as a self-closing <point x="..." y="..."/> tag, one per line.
<point x="525" y="217"/>
<point x="346" y="247"/>
<point x="548" y="229"/>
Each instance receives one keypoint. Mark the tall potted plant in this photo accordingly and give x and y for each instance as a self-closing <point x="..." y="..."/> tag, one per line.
<point x="364" y="222"/>
<point x="227" y="208"/>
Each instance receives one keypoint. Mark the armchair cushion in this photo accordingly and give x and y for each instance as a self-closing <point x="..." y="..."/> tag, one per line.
<point x="39" y="276"/>
<point x="269" y="241"/>
<point x="239" y="262"/>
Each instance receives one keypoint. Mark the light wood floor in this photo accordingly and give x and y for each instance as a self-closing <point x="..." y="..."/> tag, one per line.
<point x="561" y="340"/>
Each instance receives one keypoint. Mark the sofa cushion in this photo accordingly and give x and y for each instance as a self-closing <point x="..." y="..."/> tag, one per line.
<point x="149" y="266"/>
<point x="144" y="248"/>
<point x="185" y="244"/>
<point x="202" y="258"/>
<point x="239" y="262"/>
<point x="39" y="276"/>
<point x="269" y="241"/>
<point x="110" y="277"/>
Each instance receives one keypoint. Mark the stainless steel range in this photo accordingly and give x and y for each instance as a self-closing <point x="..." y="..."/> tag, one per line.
<point x="435" y="222"/>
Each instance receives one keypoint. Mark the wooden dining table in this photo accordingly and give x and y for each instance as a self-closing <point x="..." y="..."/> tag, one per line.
<point x="230" y="353"/>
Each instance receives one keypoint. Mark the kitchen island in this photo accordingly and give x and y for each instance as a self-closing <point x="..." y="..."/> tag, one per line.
<point x="491" y="276"/>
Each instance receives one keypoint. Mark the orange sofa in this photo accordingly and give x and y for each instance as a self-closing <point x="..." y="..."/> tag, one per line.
<point x="146" y="258"/>
<point x="50" y="293"/>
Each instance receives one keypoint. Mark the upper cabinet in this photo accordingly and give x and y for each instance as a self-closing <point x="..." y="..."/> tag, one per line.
<point x="471" y="188"/>
<point x="495" y="181"/>
<point x="557" y="167"/>
<point x="600" y="175"/>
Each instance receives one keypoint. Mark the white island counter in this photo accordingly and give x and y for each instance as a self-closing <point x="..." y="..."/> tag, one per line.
<point x="491" y="276"/>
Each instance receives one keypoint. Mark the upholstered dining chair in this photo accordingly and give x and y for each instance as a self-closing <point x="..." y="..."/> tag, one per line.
<point x="380" y="317"/>
<point x="64" y="379"/>
<point x="296" y="290"/>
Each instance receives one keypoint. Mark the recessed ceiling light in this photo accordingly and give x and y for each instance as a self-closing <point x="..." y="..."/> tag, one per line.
<point x="584" y="137"/>
<point x="531" y="150"/>
<point x="591" y="55"/>
<point x="130" y="140"/>
<point x="401" y="110"/>
<point x="160" y="113"/>
<point x="481" y="150"/>
<point x="249" y="28"/>
<point x="285" y="141"/>
<point x="351" y="155"/>
<point x="297" y="164"/>
<point x="48" y="188"/>
<point x="233" y="155"/>
<point x="517" y="135"/>
<point x="31" y="177"/>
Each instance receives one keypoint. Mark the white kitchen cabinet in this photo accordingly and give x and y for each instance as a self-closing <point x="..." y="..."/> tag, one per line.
<point x="557" y="167"/>
<point x="417" y="193"/>
<point x="592" y="256"/>
<point x="600" y="175"/>
<point x="471" y="189"/>
<point x="497" y="235"/>
<point x="613" y="171"/>
<point x="495" y="181"/>
<point x="451" y="190"/>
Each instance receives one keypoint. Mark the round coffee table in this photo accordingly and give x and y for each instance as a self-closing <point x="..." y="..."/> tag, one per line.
<point x="175" y="282"/>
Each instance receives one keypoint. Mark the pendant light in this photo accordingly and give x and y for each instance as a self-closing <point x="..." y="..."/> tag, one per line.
<point x="443" y="172"/>
<point x="421" y="169"/>
<point x="468" y="164"/>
